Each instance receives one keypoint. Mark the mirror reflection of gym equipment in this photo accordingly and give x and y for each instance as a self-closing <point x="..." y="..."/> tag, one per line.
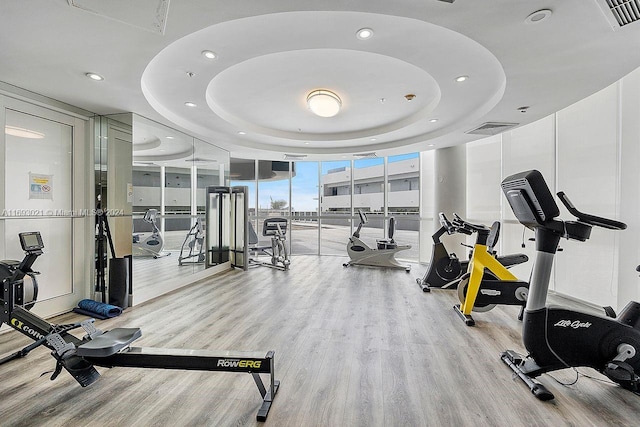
<point x="150" y="245"/>
<point x="192" y="249"/>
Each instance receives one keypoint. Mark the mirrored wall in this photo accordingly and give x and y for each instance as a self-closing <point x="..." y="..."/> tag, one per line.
<point x="162" y="186"/>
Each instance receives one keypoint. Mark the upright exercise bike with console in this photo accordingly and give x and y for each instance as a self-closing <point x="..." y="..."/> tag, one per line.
<point x="556" y="337"/>
<point x="384" y="255"/>
<point x="153" y="244"/>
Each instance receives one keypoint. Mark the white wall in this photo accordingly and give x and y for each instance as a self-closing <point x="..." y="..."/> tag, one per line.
<point x="590" y="150"/>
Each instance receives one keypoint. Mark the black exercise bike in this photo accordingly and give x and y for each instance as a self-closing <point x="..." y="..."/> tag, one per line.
<point x="446" y="269"/>
<point x="556" y="337"/>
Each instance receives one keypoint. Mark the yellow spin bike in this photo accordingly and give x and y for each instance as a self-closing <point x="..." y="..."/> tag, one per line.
<point x="487" y="282"/>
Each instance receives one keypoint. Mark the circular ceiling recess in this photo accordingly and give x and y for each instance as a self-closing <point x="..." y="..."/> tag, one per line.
<point x="254" y="93"/>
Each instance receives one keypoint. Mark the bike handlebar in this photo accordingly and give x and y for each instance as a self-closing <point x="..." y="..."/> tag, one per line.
<point x="468" y="227"/>
<point x="588" y="218"/>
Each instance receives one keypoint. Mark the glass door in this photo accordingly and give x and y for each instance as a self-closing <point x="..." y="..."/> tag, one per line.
<point x="43" y="185"/>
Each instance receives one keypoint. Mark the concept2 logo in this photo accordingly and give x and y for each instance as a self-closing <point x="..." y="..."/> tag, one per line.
<point x="25" y="328"/>
<point x="575" y="324"/>
<point x="239" y="363"/>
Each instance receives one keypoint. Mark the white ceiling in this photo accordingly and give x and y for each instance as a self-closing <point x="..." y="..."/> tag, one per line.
<point x="272" y="53"/>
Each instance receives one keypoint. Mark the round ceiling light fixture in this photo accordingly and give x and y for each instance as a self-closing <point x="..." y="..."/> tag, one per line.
<point x="538" y="16"/>
<point x="324" y="103"/>
<point x="94" y="76"/>
<point x="364" y="33"/>
<point x="209" y="54"/>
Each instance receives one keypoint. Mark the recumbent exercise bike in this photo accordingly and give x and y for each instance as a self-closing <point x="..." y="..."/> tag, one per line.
<point x="381" y="256"/>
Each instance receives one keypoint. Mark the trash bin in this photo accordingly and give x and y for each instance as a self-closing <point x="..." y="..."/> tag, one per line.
<point x="119" y="282"/>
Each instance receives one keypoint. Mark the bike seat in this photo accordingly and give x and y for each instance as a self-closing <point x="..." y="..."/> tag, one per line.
<point x="109" y="343"/>
<point x="386" y="244"/>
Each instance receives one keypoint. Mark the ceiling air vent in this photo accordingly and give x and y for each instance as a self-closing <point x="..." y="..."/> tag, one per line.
<point x="620" y="12"/>
<point x="295" y="156"/>
<point x="371" y="155"/>
<point x="492" y="128"/>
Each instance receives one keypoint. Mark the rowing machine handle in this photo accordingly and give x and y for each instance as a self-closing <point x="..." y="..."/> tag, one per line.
<point x="588" y="218"/>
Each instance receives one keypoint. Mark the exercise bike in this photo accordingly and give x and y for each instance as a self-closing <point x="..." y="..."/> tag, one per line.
<point x="557" y="337"/>
<point x="110" y="349"/>
<point x="446" y="269"/>
<point x="152" y="245"/>
<point x="487" y="282"/>
<point x="195" y="242"/>
<point x="382" y="256"/>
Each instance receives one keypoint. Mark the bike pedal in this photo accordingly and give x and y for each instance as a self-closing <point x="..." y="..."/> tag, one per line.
<point x="622" y="373"/>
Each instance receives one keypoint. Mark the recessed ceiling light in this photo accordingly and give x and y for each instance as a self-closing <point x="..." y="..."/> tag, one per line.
<point x="373" y="139"/>
<point x="433" y="120"/>
<point x="364" y="33"/>
<point x="209" y="54"/>
<point x="461" y="79"/>
<point x="190" y="104"/>
<point x="169" y="137"/>
<point x="94" y="76"/>
<point x="538" y="16"/>
<point x="306" y="143"/>
<point x="431" y="145"/>
<point x="240" y="132"/>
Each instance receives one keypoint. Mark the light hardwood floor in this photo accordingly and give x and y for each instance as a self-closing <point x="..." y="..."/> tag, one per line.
<point x="353" y="347"/>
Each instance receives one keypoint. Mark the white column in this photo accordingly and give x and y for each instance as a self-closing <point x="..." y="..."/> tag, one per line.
<point x="450" y="191"/>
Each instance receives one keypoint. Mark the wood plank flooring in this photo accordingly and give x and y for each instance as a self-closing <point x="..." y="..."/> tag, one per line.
<point x="353" y="347"/>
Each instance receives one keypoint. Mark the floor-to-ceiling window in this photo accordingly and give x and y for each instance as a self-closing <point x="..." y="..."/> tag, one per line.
<point x="318" y="197"/>
<point x="305" y="204"/>
<point x="335" y="207"/>
<point x="369" y="196"/>
<point x="403" y="201"/>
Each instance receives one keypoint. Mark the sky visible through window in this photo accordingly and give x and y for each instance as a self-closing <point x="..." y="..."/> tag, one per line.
<point x="305" y="182"/>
